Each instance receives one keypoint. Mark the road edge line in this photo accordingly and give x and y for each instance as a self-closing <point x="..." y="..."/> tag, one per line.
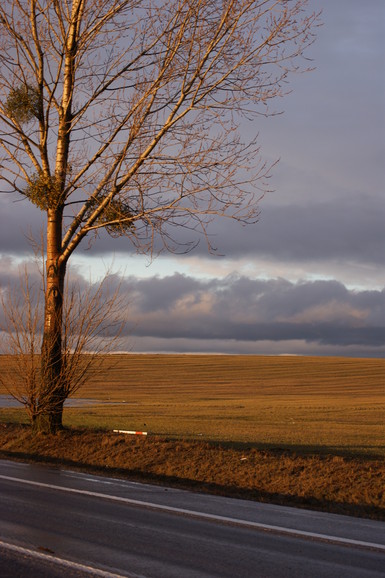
<point x="209" y="517"/>
<point x="64" y="561"/>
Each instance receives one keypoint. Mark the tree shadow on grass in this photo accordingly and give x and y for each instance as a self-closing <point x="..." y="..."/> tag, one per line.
<point x="364" y="453"/>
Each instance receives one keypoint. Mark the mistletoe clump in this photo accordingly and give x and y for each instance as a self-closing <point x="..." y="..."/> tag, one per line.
<point x="22" y="104"/>
<point x="116" y="217"/>
<point x="43" y="191"/>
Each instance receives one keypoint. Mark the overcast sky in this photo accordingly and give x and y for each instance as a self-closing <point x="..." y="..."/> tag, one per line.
<point x="309" y="277"/>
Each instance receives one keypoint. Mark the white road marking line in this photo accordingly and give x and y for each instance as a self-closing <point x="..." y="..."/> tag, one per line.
<point x="63" y="562"/>
<point x="16" y="465"/>
<point x="111" y="481"/>
<point x="210" y="517"/>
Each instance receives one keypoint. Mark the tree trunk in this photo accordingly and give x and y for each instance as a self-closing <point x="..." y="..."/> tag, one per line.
<point x="52" y="393"/>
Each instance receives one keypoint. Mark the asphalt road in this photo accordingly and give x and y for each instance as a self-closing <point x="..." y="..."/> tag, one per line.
<point x="56" y="523"/>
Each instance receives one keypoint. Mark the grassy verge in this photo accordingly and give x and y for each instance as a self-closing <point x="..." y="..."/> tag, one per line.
<point x="343" y="485"/>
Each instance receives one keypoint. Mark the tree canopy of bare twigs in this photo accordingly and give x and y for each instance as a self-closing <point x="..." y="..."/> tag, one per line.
<point x="127" y="115"/>
<point x="92" y="323"/>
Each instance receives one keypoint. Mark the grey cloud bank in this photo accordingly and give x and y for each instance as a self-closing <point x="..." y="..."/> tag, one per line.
<point x="239" y="309"/>
<point x="237" y="314"/>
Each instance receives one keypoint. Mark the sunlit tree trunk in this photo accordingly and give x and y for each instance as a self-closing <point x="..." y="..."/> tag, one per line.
<point x="49" y="418"/>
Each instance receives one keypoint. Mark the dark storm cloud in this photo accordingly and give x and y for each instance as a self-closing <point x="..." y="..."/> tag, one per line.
<point x="242" y="309"/>
<point x="20" y="222"/>
<point x="344" y="230"/>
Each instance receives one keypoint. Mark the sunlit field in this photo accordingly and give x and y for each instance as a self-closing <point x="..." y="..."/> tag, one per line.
<point x="303" y="403"/>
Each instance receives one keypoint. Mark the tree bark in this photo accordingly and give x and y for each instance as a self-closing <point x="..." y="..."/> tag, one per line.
<point x="52" y="392"/>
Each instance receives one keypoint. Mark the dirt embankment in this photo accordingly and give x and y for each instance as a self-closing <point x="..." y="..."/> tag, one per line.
<point x="330" y="483"/>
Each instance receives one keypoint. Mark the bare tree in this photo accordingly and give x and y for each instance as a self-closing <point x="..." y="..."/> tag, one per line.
<point x="92" y="323"/>
<point x="127" y="115"/>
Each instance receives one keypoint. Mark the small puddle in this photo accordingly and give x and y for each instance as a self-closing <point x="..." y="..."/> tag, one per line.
<point x="7" y="401"/>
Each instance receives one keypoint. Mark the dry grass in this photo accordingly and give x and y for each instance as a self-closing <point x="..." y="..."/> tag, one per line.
<point x="325" y="482"/>
<point x="301" y="431"/>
